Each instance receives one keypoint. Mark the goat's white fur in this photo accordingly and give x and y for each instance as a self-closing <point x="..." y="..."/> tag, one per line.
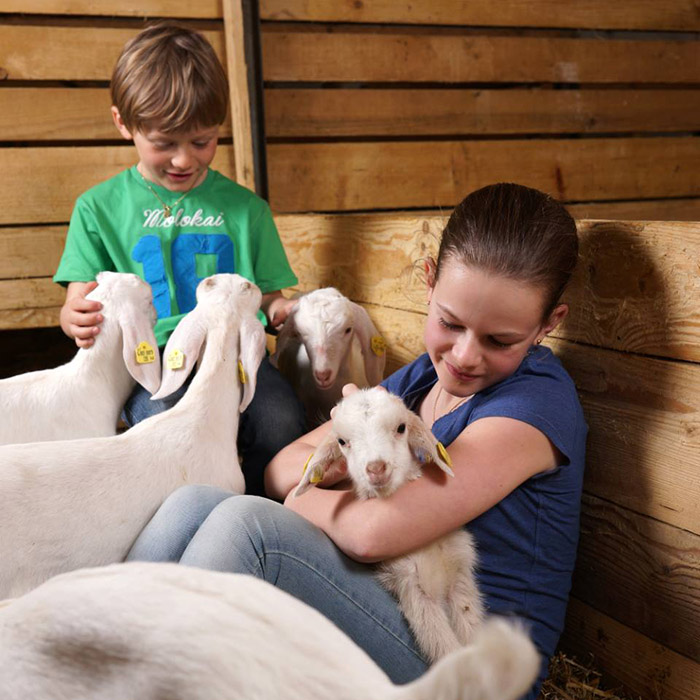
<point x="384" y="445"/>
<point x="83" y="398"/>
<point x="144" y="630"/>
<point x="325" y="343"/>
<point x="70" y="504"/>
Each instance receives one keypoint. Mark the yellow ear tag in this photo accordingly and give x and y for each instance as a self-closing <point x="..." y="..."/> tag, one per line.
<point x="443" y="454"/>
<point x="378" y="345"/>
<point x="317" y="476"/>
<point x="145" y="354"/>
<point x="306" y="464"/>
<point x="176" y="359"/>
<point x="241" y="373"/>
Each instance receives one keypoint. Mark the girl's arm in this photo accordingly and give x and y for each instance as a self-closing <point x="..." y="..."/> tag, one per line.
<point x="490" y="459"/>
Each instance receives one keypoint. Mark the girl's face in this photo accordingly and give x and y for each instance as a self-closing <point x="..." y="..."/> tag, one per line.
<point x="480" y="326"/>
<point x="179" y="161"/>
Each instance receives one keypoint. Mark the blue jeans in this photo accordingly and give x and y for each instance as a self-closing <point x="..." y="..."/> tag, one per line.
<point x="274" y="418"/>
<point x="209" y="528"/>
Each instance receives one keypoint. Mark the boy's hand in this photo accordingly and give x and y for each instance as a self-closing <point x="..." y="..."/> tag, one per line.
<point x="81" y="317"/>
<point x="282" y="312"/>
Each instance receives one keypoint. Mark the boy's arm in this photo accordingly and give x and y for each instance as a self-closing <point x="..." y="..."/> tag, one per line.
<point x="81" y="317"/>
<point x="276" y="307"/>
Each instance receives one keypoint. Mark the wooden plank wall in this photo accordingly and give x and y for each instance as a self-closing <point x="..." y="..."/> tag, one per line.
<point x="632" y="345"/>
<point x="369" y="106"/>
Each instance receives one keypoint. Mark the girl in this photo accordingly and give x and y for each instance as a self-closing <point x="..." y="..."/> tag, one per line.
<point x="503" y="406"/>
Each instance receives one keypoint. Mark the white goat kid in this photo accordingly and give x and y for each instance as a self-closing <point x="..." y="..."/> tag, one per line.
<point x="70" y="504"/>
<point x="326" y="342"/>
<point x="84" y="397"/>
<point x="144" y="630"/>
<point x="385" y="445"/>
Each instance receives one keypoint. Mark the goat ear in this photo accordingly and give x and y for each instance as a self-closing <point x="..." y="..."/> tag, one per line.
<point x="425" y="446"/>
<point x="251" y="339"/>
<point x="372" y="344"/>
<point x="327" y="452"/>
<point x="182" y="352"/>
<point x="284" y="336"/>
<point x="140" y="352"/>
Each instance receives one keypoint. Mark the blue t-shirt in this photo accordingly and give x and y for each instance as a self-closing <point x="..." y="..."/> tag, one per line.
<point x="527" y="542"/>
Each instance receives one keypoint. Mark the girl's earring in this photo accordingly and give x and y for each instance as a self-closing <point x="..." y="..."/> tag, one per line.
<point x="539" y="340"/>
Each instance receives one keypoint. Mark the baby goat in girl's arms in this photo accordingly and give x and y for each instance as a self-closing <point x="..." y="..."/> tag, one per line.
<point x="384" y="445"/>
<point x="83" y="398"/>
<point x="75" y="503"/>
<point x="144" y="630"/>
<point x="326" y="342"/>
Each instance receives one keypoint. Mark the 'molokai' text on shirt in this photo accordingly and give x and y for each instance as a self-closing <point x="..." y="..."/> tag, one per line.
<point x="155" y="218"/>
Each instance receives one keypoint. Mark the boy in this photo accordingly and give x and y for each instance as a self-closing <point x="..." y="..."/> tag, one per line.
<point x="173" y="221"/>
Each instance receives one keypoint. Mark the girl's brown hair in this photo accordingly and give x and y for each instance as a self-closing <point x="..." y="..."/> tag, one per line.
<point x="168" y="77"/>
<point x="517" y="232"/>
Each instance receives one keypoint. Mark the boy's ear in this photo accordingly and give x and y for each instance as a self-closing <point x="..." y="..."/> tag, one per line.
<point x="121" y="127"/>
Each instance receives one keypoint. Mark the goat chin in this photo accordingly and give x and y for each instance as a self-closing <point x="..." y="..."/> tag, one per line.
<point x="110" y="633"/>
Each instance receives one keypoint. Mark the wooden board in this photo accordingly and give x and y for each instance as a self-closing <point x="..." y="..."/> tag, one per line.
<point x="441" y="57"/>
<point x="331" y="113"/>
<point x="48" y="52"/>
<point x="65" y="114"/>
<point x="593" y="14"/>
<point x="642" y="572"/>
<point x="648" y="669"/>
<point x="59" y="175"/>
<point x="370" y="175"/>
<point x="49" y="114"/>
<point x="30" y="252"/>
<point x="112" y="8"/>
<point x="680" y="209"/>
<point x="634" y="288"/>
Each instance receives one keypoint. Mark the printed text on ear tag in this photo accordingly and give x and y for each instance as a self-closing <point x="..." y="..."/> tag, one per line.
<point x="378" y="345"/>
<point x="443" y="454"/>
<point x="176" y="359"/>
<point x="145" y="354"/>
<point x="241" y="373"/>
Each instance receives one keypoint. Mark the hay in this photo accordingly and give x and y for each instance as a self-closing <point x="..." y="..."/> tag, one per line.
<point x="571" y="680"/>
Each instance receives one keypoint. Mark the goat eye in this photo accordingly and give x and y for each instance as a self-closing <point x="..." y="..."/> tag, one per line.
<point x="401" y="429"/>
<point x="341" y="442"/>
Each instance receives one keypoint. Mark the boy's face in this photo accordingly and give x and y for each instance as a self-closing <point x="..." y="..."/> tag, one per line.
<point x="177" y="161"/>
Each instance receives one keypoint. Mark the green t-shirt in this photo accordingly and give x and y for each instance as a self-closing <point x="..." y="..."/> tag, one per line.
<point x="219" y="226"/>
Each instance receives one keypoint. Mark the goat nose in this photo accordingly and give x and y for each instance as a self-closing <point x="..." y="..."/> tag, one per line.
<point x="376" y="468"/>
<point x="323" y="376"/>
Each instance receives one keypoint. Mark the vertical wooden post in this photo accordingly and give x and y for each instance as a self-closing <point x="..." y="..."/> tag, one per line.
<point x="244" y="64"/>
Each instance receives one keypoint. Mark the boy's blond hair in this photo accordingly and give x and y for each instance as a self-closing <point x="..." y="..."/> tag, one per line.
<point x="169" y="78"/>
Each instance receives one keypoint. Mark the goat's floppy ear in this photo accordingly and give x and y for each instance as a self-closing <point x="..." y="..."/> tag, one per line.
<point x="251" y="339"/>
<point x="372" y="344"/>
<point x="285" y="334"/>
<point x="425" y="447"/>
<point x="140" y="352"/>
<point x="327" y="452"/>
<point x="181" y="352"/>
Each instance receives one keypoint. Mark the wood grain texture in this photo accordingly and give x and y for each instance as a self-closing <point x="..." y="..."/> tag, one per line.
<point x="59" y="175"/>
<point x="681" y="209"/>
<point x="200" y="9"/>
<point x="30" y="252"/>
<point x="371" y="175"/>
<point x="647" y="669"/>
<point x="594" y="14"/>
<point x="642" y="572"/>
<point x="332" y="113"/>
<point x="432" y="57"/>
<point x="36" y="52"/>
<point x="61" y="114"/>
